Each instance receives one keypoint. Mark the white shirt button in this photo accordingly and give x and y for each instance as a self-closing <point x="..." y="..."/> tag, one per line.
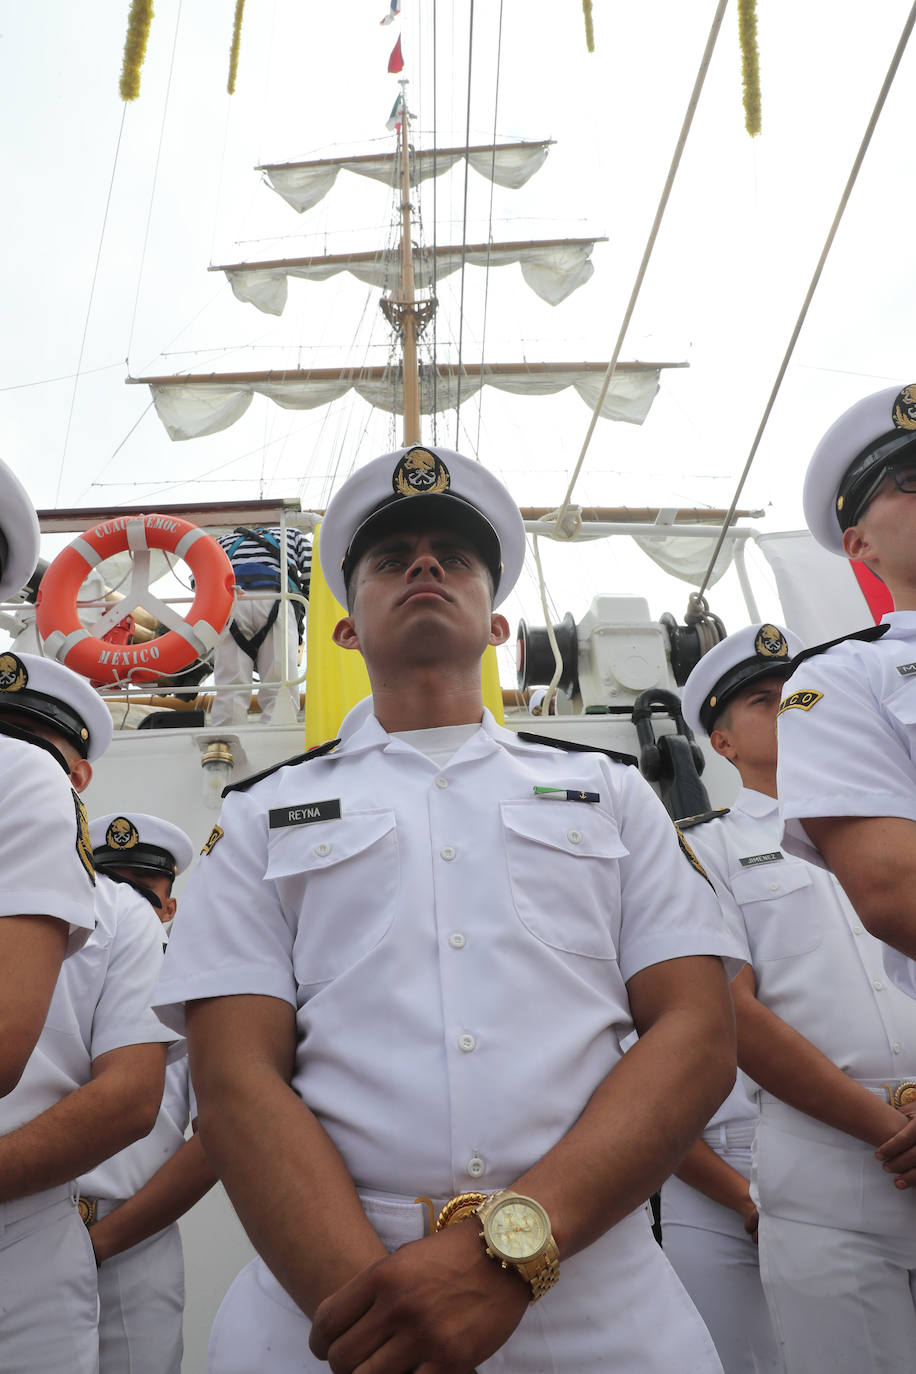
<point x="467" y="1043"/>
<point x="574" y="836"/>
<point x="475" y="1166"/>
<point x="442" y="782"/>
<point x="857" y="930"/>
<point x="322" y="850"/>
<point x="774" y="887"/>
<point x="457" y="940"/>
<point x="877" y="984"/>
<point x="896" y="1049"/>
<point x="447" y="853"/>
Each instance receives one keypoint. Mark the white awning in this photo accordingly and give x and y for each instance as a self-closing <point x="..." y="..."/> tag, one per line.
<point x="197" y="407"/>
<point x="553" y="271"/>
<point x="304" y="184"/>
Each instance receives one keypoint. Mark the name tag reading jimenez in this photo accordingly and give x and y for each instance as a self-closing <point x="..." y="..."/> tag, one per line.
<point x="753" y="859"/>
<point x="305" y="814"/>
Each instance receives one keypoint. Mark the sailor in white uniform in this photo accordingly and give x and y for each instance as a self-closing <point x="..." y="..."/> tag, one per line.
<point x="94" y="1080"/>
<point x="419" y="952"/>
<point x="42" y="837"/>
<point x="826" y="1036"/>
<point x="847" y="766"/>
<point x="135" y="1198"/>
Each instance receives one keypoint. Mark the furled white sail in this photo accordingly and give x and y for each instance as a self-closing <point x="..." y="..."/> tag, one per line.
<point x="303" y="184"/>
<point x="190" y="407"/>
<point x="553" y="268"/>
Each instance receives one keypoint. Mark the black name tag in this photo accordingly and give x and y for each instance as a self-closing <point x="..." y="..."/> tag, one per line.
<point x="305" y="814"/>
<point x="753" y="859"/>
<point x="906" y="669"/>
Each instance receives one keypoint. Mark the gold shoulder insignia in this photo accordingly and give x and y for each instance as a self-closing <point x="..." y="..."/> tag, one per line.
<point x="83" y="842"/>
<point x="689" y="854"/>
<point x="802" y="700"/>
<point x="215" y="835"/>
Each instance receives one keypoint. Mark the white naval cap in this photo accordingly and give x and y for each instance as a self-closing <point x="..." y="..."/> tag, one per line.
<point x="47" y="691"/>
<point x="417" y="488"/>
<point x="849" y="462"/>
<point x="19" y="534"/>
<point x="131" y="839"/>
<point x="754" y="652"/>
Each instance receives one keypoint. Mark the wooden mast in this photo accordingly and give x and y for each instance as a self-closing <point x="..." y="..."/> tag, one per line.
<point x="405" y="313"/>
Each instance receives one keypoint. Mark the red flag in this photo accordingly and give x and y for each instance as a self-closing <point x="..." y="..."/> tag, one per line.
<point x="396" y="60"/>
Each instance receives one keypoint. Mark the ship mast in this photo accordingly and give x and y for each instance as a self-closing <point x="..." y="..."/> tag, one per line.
<point x="405" y="313"/>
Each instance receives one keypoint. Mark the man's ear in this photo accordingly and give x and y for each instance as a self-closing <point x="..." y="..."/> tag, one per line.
<point x="345" y="636"/>
<point x="855" y="543"/>
<point x="169" y="907"/>
<point x="80" y="774"/>
<point x="722" y="744"/>
<point x="499" y="630"/>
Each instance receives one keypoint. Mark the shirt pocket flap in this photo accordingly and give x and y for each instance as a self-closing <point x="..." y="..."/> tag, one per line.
<point x="770" y="880"/>
<point x="902" y="703"/>
<point x="577" y="828"/>
<point x="304" y="849"/>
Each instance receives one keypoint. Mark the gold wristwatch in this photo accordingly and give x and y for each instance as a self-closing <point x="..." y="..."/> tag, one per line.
<point x="516" y="1233"/>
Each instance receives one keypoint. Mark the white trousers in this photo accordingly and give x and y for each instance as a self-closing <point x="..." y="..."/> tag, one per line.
<point x="618" y="1307"/>
<point x="48" y="1294"/>
<point x="233" y="668"/>
<point x="717" y="1262"/>
<point x="141" y="1302"/>
<point x="837" y="1249"/>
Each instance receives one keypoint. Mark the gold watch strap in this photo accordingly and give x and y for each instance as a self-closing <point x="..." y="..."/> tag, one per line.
<point x="457" y="1208"/>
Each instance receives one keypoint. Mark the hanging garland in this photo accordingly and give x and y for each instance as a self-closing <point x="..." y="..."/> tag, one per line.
<point x="750" y="64"/>
<point x="234" y="50"/>
<point x="589" y="30"/>
<point x="138" y="24"/>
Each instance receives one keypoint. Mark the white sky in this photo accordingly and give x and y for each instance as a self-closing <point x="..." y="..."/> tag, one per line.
<point x="742" y="236"/>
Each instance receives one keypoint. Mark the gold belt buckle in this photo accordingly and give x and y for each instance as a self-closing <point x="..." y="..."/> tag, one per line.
<point x="87" y="1208"/>
<point x="903" y="1094"/>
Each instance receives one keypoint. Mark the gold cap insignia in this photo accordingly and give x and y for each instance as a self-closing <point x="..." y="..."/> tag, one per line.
<point x="713" y="700"/>
<point x="771" y="643"/>
<point x="122" y="834"/>
<point x="13" y="673"/>
<point x="420" y="473"/>
<point x="905" y="409"/>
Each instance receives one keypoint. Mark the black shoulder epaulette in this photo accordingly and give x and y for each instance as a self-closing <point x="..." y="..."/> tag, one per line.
<point x="574" y="747"/>
<point x="868" y="634"/>
<point x="307" y="757"/>
<point x="688" y="822"/>
<point x="15" y="732"/>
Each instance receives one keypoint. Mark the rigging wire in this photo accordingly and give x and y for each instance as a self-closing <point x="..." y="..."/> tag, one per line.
<point x="95" y="275"/>
<point x="464" y="222"/>
<point x="152" y="194"/>
<point x="486" y="286"/>
<point x="435" y="320"/>
<point x="67" y="377"/>
<point x="799" y="323"/>
<point x="647" y="253"/>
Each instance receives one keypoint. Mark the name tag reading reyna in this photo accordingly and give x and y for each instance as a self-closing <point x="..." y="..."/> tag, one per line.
<point x="304" y="814"/>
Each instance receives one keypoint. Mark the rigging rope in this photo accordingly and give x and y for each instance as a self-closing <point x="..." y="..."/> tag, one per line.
<point x="650" y="244"/>
<point x="95" y="275"/>
<point x="464" y="225"/>
<point x="486" y="287"/>
<point x="828" y="244"/>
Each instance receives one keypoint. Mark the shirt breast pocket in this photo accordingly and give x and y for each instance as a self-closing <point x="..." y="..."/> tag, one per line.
<point x="563" y="869"/>
<point x="337" y="882"/>
<point x="780" y="911"/>
<point x="901" y="707"/>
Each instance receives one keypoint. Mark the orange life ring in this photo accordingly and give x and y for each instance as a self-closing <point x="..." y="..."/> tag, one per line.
<point x="67" y="640"/>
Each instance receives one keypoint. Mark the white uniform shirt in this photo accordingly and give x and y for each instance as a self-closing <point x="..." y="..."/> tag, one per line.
<point x="853" y="752"/>
<point x="815" y="965"/>
<point x="125" y="1173"/>
<point x="455" y="947"/>
<point x="43" y="873"/>
<point x="101" y="1003"/>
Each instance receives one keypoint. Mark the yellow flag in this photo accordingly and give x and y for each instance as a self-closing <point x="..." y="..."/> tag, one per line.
<point x="336" y="679"/>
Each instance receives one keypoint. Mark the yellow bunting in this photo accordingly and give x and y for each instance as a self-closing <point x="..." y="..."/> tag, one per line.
<point x="234" y="50"/>
<point x="750" y="64"/>
<point x="589" y="30"/>
<point x="138" y="24"/>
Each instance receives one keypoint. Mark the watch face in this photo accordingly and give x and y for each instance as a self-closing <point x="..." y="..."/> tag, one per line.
<point x="518" y="1230"/>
